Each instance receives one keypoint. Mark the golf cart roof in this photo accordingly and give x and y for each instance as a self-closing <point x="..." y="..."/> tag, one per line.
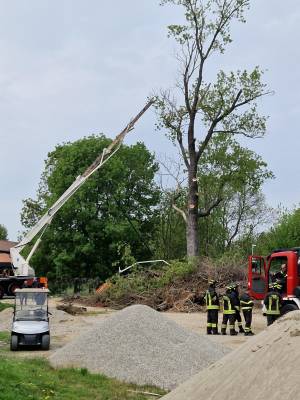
<point x="32" y="290"/>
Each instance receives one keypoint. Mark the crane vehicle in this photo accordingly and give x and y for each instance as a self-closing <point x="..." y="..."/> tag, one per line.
<point x="21" y="270"/>
<point x="263" y="270"/>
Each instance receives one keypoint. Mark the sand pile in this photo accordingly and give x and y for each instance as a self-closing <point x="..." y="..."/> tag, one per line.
<point x="141" y="346"/>
<point x="266" y="367"/>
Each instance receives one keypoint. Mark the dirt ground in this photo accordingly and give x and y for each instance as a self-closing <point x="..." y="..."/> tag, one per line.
<point x="65" y="327"/>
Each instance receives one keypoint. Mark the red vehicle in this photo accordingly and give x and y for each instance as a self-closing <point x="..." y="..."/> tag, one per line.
<point x="263" y="270"/>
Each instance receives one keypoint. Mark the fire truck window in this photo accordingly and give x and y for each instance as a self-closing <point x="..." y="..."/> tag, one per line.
<point x="256" y="266"/>
<point x="276" y="265"/>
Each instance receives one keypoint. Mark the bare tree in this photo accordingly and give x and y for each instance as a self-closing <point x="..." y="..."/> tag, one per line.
<point x="196" y="110"/>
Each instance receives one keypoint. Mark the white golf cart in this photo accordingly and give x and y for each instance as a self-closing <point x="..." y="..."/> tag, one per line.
<point x="30" y="325"/>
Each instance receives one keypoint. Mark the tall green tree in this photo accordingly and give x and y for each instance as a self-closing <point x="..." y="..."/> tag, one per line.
<point x="110" y="218"/>
<point x="3" y="232"/>
<point x="284" y="233"/>
<point x="230" y="173"/>
<point x="233" y="175"/>
<point x="198" y="110"/>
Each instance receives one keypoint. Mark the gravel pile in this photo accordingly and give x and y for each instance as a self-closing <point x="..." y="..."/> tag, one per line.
<point x="140" y="345"/>
<point x="266" y="367"/>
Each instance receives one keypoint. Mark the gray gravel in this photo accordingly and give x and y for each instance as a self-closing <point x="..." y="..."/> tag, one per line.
<point x="140" y="345"/>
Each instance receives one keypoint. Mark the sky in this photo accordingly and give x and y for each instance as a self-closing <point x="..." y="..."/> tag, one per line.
<point x="71" y="68"/>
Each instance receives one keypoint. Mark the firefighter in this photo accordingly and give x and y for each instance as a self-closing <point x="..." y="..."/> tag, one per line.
<point x="237" y="306"/>
<point x="228" y="311"/>
<point x="281" y="278"/>
<point x="273" y="302"/>
<point x="212" y="302"/>
<point x="247" y="307"/>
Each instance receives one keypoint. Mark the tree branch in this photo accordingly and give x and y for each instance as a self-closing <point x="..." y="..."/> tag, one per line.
<point x="180" y="211"/>
<point x="207" y="212"/>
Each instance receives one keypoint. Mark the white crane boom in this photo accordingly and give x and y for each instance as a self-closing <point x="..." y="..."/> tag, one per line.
<point x="21" y="266"/>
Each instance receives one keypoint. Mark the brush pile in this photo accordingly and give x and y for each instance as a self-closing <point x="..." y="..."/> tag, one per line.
<point x="179" y="287"/>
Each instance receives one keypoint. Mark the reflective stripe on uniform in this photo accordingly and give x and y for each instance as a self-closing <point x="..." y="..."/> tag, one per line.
<point x="208" y="301"/>
<point x="214" y="325"/>
<point x="229" y="309"/>
<point x="270" y="309"/>
<point x="209" y="324"/>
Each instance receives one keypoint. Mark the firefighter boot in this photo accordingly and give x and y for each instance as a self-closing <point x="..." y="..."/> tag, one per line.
<point x="215" y="331"/>
<point x="233" y="332"/>
<point x="209" y="330"/>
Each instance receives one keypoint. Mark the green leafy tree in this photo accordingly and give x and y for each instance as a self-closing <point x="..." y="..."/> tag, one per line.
<point x="3" y="232"/>
<point x="229" y="174"/>
<point x="232" y="176"/>
<point x="170" y="238"/>
<point x="285" y="233"/>
<point x="198" y="110"/>
<point x="113" y="212"/>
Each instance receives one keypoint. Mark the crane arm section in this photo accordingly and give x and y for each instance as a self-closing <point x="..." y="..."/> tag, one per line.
<point x="20" y="265"/>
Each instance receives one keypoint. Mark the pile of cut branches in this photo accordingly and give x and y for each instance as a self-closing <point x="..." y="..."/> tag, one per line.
<point x="179" y="287"/>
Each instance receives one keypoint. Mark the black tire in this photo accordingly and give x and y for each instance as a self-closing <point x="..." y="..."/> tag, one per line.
<point x="11" y="288"/>
<point x="288" y="308"/>
<point x="2" y="291"/>
<point x="45" y="342"/>
<point x="297" y="292"/>
<point x="14" y="342"/>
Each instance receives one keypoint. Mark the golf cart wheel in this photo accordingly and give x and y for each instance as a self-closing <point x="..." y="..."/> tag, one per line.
<point x="288" y="307"/>
<point x="12" y="288"/>
<point x="45" y="342"/>
<point x="14" y="343"/>
<point x="1" y="291"/>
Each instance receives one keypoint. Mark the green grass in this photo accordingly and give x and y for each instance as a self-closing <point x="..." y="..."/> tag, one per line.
<point x="3" y="306"/>
<point x="4" y="342"/>
<point x="35" y="379"/>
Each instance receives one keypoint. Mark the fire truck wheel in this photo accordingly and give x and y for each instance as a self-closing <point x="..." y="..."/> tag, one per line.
<point x="288" y="308"/>
<point x="1" y="292"/>
<point x="11" y="288"/>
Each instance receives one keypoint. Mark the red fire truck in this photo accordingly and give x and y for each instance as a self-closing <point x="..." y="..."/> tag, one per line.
<point x="263" y="270"/>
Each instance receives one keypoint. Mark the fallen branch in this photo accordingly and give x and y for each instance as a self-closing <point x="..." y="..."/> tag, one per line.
<point x="147" y="393"/>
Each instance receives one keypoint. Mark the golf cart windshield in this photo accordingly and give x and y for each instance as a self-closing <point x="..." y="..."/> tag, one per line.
<point x="31" y="306"/>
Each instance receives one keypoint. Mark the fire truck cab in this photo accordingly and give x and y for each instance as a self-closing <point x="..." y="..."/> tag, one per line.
<point x="264" y="270"/>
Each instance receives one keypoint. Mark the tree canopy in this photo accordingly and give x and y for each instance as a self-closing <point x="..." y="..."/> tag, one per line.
<point x="197" y="110"/>
<point x="109" y="219"/>
<point x="3" y="232"/>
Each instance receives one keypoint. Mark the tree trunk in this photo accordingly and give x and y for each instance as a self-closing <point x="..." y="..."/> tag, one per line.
<point x="192" y="229"/>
